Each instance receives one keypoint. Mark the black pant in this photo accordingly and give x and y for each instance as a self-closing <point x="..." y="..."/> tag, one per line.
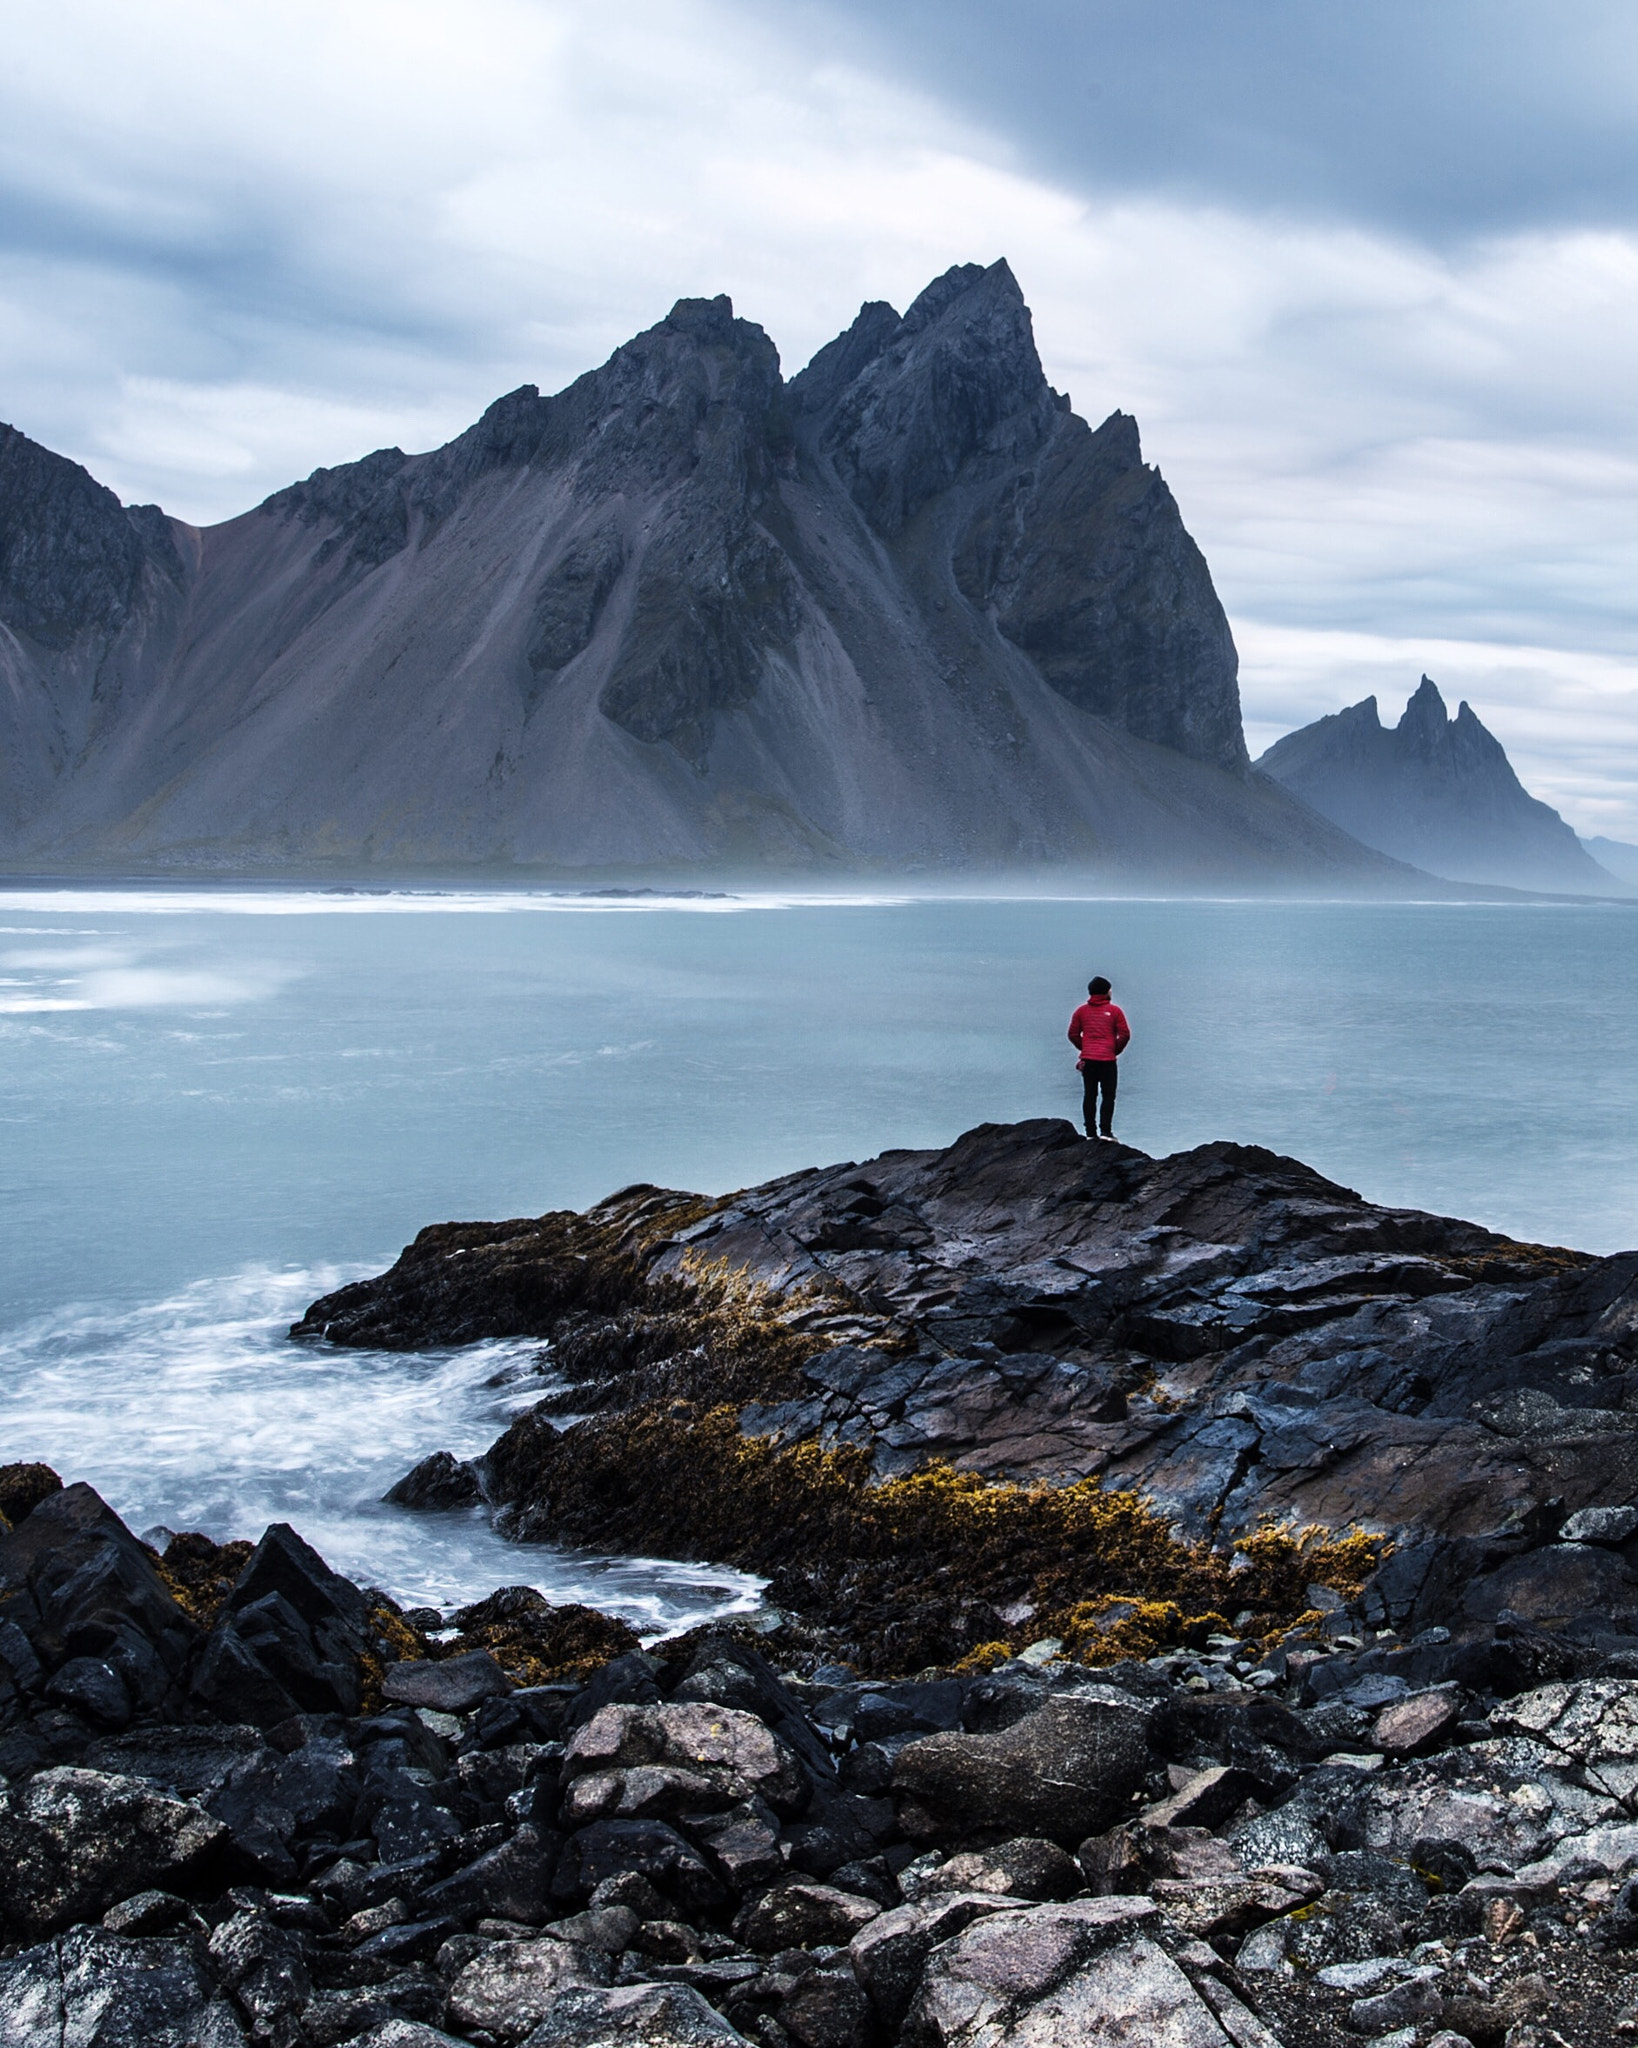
<point x="1098" y="1075"/>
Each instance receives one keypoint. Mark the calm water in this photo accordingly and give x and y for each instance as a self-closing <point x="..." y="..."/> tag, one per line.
<point x="216" y="1104"/>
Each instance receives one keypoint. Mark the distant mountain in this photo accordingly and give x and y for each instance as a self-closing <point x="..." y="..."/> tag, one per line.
<point x="1436" y="791"/>
<point x="905" y="608"/>
<point x="1616" y="857"/>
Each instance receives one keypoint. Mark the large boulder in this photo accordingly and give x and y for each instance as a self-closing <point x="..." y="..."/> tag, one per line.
<point x="1048" y="1975"/>
<point x="95" y="1990"/>
<point x="73" y="1842"/>
<point x="84" y="1591"/>
<point x="888" y="1954"/>
<point x="1066" y="1771"/>
<point x="1592" y="1726"/>
<point x="292" y="1638"/>
<point x="721" y="1747"/>
<point x="509" y="1989"/>
<point x="641" y="2015"/>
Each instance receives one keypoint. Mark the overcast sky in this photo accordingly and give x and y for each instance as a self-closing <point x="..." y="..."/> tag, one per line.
<point x="1367" y="274"/>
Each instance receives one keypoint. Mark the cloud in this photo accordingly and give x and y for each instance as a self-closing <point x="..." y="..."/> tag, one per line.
<point x="1368" y="278"/>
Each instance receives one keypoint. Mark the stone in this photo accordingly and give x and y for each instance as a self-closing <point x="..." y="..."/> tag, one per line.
<point x="104" y="1991"/>
<point x="1208" y="1799"/>
<point x="75" y="1842"/>
<point x="826" y="2009"/>
<point x="402" y="2033"/>
<point x="1592" y="1723"/>
<point x="512" y="1881"/>
<point x="1614" y="1526"/>
<point x="439" y="1481"/>
<point x="645" y="1848"/>
<point x="263" y="1964"/>
<point x="888" y="1953"/>
<point x="1064" y="1772"/>
<point x="643" y="2015"/>
<point x="510" y="1988"/>
<point x="1403" y="2005"/>
<point x="1419" y="1721"/>
<point x="1226" y="1908"/>
<point x="719" y="1746"/>
<point x="150" y="1912"/>
<point x="1027" y="1867"/>
<point x="454" y="1685"/>
<point x="803" y="1915"/>
<point x="1082" y="1972"/>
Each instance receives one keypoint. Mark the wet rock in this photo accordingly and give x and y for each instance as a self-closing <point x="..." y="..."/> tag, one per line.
<point x="644" y="2015"/>
<point x="827" y="2009"/>
<point x="510" y="1988"/>
<point x="512" y="1881"/>
<point x="1028" y="1867"/>
<point x="77" y="1584"/>
<point x="264" y="1965"/>
<point x="888" y="1953"/>
<point x="453" y="1686"/>
<point x="803" y="1915"/>
<point x="1064" y="1772"/>
<point x="74" y="1842"/>
<point x="647" y="1848"/>
<point x="105" y="1991"/>
<point x="1079" y="1972"/>
<point x="439" y="1481"/>
<point x="721" y="1748"/>
<point x="22" y="1488"/>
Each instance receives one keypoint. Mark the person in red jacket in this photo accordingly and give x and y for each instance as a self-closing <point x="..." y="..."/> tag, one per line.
<point x="1100" y="1033"/>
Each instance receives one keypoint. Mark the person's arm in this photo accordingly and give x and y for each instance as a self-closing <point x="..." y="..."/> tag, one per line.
<point x="1123" y="1031"/>
<point x="1075" y="1031"/>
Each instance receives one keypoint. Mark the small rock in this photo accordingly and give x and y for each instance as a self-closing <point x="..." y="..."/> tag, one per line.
<point x="1600" y="1525"/>
<point x="145" y="1913"/>
<point x="1401" y="2006"/>
<point x="440" y="1481"/>
<point x="1206" y="1800"/>
<point x="454" y="1686"/>
<point x="1418" y="1721"/>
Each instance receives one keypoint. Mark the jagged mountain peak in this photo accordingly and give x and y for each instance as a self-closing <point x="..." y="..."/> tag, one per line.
<point x="906" y="606"/>
<point x="1433" y="790"/>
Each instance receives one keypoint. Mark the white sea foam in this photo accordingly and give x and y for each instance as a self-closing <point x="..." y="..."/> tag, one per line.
<point x="198" y="1413"/>
<point x="252" y="902"/>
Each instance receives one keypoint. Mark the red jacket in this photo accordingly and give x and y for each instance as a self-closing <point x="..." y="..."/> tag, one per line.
<point x="1099" y="1030"/>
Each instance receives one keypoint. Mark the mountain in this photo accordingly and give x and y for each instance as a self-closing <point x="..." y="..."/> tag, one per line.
<point x="1616" y="857"/>
<point x="1436" y="791"/>
<point x="904" y="608"/>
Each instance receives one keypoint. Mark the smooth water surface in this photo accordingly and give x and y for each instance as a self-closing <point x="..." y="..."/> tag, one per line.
<point x="216" y="1103"/>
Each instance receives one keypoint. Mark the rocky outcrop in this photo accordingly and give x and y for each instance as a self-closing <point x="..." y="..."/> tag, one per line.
<point x="906" y="607"/>
<point x="1223" y="1335"/>
<point x="1435" y="791"/>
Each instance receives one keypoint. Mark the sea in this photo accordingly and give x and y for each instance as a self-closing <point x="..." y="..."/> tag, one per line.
<point x="218" y="1102"/>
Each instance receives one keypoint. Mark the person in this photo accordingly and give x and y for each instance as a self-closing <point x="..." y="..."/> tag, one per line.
<point x="1100" y="1033"/>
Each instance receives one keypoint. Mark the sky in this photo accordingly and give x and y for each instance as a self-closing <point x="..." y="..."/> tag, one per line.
<point x="1367" y="275"/>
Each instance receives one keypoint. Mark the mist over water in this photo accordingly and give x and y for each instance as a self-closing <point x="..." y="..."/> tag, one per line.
<point x="217" y="1104"/>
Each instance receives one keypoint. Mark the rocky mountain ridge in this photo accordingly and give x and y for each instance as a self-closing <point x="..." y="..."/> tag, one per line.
<point x="1437" y="792"/>
<point x="905" y="608"/>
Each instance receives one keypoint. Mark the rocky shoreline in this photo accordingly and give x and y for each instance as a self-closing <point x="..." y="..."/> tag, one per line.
<point x="1064" y="1723"/>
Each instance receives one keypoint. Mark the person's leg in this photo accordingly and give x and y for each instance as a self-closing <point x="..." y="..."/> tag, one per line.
<point x="1089" y="1098"/>
<point x="1111" y="1075"/>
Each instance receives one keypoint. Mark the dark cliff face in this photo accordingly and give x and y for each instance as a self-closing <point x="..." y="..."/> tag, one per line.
<point x="1437" y="791"/>
<point x="73" y="560"/>
<point x="905" y="607"/>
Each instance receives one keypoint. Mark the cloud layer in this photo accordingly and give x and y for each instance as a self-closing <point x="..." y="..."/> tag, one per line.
<point x="1373" y="296"/>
